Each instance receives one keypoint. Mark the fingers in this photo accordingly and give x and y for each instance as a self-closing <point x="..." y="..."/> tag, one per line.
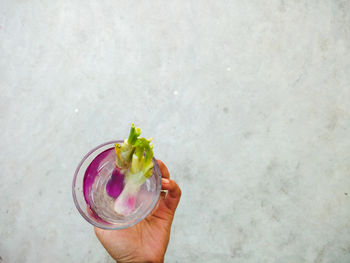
<point x="174" y="193"/>
<point x="163" y="169"/>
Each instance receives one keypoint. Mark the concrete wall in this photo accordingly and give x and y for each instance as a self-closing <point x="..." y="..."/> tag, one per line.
<point x="248" y="103"/>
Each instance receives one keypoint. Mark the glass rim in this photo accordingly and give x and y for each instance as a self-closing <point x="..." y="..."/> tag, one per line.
<point x="149" y="210"/>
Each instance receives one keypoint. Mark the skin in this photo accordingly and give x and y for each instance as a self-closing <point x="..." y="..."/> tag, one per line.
<point x="148" y="240"/>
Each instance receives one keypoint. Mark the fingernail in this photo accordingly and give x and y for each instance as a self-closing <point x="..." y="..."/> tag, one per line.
<point x="166" y="181"/>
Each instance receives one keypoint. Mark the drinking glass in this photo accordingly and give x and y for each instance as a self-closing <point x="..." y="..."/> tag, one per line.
<point x="90" y="195"/>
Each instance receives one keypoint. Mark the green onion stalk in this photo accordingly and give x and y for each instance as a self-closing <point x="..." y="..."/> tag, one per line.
<point x="135" y="161"/>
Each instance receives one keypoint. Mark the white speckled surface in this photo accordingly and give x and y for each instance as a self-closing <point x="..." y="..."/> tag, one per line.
<point x="248" y="104"/>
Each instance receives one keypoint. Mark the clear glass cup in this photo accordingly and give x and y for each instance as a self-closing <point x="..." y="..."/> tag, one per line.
<point x="98" y="211"/>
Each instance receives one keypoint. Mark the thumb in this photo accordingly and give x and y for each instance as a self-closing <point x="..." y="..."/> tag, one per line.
<point x="174" y="193"/>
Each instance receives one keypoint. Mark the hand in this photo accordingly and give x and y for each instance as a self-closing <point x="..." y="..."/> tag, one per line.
<point x="147" y="241"/>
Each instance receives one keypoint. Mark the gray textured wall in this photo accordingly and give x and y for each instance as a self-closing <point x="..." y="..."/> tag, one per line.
<point x="248" y="104"/>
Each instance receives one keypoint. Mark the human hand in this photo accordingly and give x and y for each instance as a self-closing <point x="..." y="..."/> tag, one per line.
<point x="146" y="241"/>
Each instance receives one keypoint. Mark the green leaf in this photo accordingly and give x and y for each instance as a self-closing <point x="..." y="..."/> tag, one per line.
<point x="135" y="155"/>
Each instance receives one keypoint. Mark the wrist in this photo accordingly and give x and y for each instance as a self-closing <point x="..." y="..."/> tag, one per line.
<point x="161" y="260"/>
